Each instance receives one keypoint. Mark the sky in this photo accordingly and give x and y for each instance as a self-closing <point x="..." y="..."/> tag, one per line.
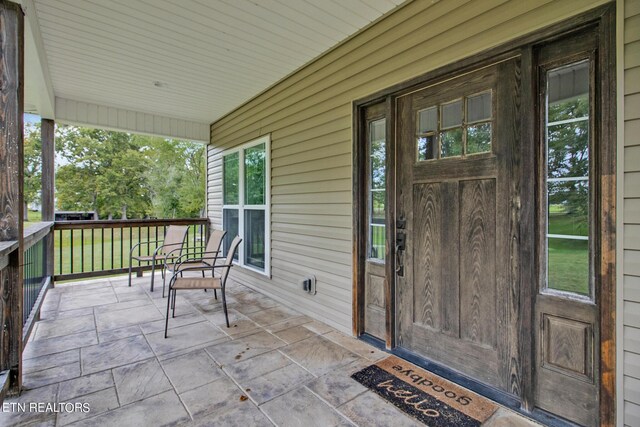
<point x="31" y="118"/>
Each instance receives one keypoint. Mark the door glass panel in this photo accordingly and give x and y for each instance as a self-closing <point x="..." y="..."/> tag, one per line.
<point x="451" y="143"/>
<point x="377" y="189"/>
<point x="567" y="188"/>
<point x="254" y="235"/>
<point x="230" y="178"/>
<point x="452" y="114"/>
<point x="230" y="224"/>
<point x="479" y="107"/>
<point x="568" y="149"/>
<point x="427" y="129"/>
<point x="479" y="138"/>
<point x="254" y="173"/>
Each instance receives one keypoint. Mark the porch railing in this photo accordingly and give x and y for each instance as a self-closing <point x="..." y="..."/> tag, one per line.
<point x="100" y="248"/>
<point x="17" y="324"/>
<point x="35" y="276"/>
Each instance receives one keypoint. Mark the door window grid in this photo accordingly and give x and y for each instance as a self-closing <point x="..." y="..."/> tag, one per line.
<point x="567" y="141"/>
<point x="456" y="128"/>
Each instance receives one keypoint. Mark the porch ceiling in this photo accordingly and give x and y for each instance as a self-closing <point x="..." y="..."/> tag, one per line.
<point x="190" y="60"/>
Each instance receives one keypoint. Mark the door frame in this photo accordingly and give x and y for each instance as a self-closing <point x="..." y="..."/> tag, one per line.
<point x="601" y="20"/>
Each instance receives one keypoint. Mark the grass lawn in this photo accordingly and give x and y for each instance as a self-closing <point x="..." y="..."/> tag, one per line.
<point x="568" y="260"/>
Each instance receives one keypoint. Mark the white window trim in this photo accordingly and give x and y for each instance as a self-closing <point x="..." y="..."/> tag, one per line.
<point x="266" y="140"/>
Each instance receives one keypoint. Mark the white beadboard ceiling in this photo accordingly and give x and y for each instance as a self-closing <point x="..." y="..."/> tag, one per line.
<point x="190" y="60"/>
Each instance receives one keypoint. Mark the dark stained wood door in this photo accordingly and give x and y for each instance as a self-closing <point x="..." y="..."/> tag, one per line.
<point x="456" y="209"/>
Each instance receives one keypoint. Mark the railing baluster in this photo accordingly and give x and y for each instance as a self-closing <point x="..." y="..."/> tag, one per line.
<point x="93" y="249"/>
<point x="112" y="251"/>
<point x="102" y="247"/>
<point x="121" y="245"/>
<point x="82" y="250"/>
<point x="71" y="245"/>
<point x="60" y="252"/>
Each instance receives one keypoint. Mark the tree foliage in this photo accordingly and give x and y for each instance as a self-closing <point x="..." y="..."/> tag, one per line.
<point x="176" y="177"/>
<point x="121" y="175"/>
<point x="32" y="164"/>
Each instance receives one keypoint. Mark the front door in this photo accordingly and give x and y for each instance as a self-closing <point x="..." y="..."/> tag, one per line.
<point x="456" y="208"/>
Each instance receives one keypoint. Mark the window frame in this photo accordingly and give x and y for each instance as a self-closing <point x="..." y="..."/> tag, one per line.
<point x="241" y="207"/>
<point x="543" y="180"/>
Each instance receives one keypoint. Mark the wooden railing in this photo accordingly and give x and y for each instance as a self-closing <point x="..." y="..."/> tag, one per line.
<point x="36" y="277"/>
<point x="100" y="248"/>
<point x="18" y="317"/>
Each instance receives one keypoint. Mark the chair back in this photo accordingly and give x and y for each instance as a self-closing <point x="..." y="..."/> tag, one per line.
<point x="213" y="245"/>
<point x="229" y="260"/>
<point x="174" y="239"/>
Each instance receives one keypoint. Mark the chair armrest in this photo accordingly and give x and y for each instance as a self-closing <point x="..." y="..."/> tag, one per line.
<point x="186" y="254"/>
<point x="143" y="243"/>
<point x="182" y="260"/>
<point x="213" y="267"/>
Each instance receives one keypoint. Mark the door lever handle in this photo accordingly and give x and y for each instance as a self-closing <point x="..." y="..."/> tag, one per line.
<point x="399" y="265"/>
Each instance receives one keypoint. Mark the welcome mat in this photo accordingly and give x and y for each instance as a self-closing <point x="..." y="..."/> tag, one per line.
<point x="423" y="395"/>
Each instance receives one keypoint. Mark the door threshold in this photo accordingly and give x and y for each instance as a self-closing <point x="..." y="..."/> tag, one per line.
<point x="498" y="396"/>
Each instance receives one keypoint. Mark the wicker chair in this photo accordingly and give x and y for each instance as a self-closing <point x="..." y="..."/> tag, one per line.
<point x="171" y="248"/>
<point x="178" y="282"/>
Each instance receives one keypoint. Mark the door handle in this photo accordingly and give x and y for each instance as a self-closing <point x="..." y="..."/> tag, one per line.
<point x="400" y="245"/>
<point x="399" y="265"/>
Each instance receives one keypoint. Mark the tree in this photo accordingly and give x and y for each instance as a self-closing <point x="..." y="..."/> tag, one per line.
<point x="32" y="166"/>
<point x="130" y="176"/>
<point x="176" y="177"/>
<point x="105" y="173"/>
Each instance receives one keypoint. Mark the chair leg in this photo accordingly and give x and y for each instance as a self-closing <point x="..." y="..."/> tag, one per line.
<point x="215" y="294"/>
<point x="130" y="262"/>
<point x="166" y="321"/>
<point x="153" y="272"/>
<point x="164" y="280"/>
<point x="224" y="305"/>
<point x="174" y="304"/>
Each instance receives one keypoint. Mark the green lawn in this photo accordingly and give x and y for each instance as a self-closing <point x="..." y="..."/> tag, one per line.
<point x="568" y="260"/>
<point x="34" y="216"/>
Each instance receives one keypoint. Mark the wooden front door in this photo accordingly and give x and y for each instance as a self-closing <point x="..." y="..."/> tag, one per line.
<point x="456" y="206"/>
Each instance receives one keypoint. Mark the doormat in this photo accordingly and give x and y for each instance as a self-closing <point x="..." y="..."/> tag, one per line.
<point x="425" y="396"/>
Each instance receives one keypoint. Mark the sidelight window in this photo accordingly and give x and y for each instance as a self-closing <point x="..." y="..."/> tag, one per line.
<point x="246" y="202"/>
<point x="377" y="191"/>
<point x="567" y="141"/>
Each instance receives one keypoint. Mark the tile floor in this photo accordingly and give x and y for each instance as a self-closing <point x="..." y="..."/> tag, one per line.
<point x="101" y="342"/>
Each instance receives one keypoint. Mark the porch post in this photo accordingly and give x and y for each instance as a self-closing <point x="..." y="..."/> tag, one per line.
<point x="11" y="181"/>
<point x="47" y="133"/>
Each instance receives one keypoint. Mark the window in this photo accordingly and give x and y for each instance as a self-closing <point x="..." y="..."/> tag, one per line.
<point x="246" y="203"/>
<point x="567" y="124"/>
<point x="377" y="189"/>
<point x="456" y="128"/>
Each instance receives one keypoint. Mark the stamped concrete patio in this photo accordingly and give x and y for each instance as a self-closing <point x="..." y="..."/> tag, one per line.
<point x="101" y="343"/>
